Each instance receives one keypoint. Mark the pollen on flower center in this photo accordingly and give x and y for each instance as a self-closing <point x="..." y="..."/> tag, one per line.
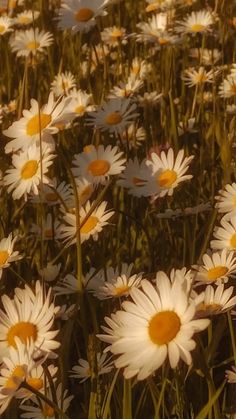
<point x="2" y="28"/>
<point x="116" y="33"/>
<point x="197" y="27"/>
<point x="24" y="331"/>
<point x="98" y="167"/>
<point x="122" y="290"/>
<point x="35" y="382"/>
<point x="38" y="123"/>
<point x="48" y="233"/>
<point x="84" y="14"/>
<point x="4" y="255"/>
<point x="24" y="20"/>
<point x="85" y="194"/>
<point x="29" y="169"/>
<point x="233" y="88"/>
<point x="163" y="41"/>
<point x="163" y="327"/>
<point x="48" y="411"/>
<point x="113" y="118"/>
<point x="233" y="241"/>
<point x="166" y="178"/>
<point x="89" y="225"/>
<point x="14" y="380"/>
<point x="32" y="45"/>
<point x="80" y="110"/>
<point x="217" y="272"/>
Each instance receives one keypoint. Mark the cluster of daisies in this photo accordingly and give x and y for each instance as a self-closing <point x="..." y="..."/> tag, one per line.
<point x="89" y="125"/>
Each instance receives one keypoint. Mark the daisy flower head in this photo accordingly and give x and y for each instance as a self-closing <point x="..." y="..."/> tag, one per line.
<point x="37" y="124"/>
<point x="134" y="136"/>
<point x="29" y="171"/>
<point x="53" y="193"/>
<point x="231" y="375"/>
<point x="217" y="267"/>
<point x="168" y="171"/>
<point x="152" y="29"/>
<point x="15" y="369"/>
<point x="135" y="177"/>
<point x="28" y="317"/>
<point x="193" y="77"/>
<point x="139" y="68"/>
<point x="78" y="15"/>
<point x="83" y="370"/>
<point x="50" y="272"/>
<point x="90" y="225"/>
<point x="66" y="286"/>
<point x="118" y="286"/>
<point x="81" y="103"/>
<point x="98" y="163"/>
<point x="114" y="36"/>
<point x="225" y="236"/>
<point x="85" y="189"/>
<point x="47" y="230"/>
<point x="206" y="56"/>
<point x="7" y="253"/>
<point x="127" y="89"/>
<point x="196" y="22"/>
<point x="215" y="301"/>
<point x="114" y="116"/>
<point x="6" y="24"/>
<point x="37" y="379"/>
<point x="226" y="200"/>
<point x="26" y="17"/>
<point x="30" y="42"/>
<point x="156" y="324"/>
<point x="63" y="83"/>
<point x="227" y="88"/>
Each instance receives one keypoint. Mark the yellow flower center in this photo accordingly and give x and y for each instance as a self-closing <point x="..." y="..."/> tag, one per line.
<point x="163" y="41"/>
<point x="4" y="255"/>
<point x="113" y="118"/>
<point x="24" y="331"/>
<point x="85" y="194"/>
<point x="2" y="29"/>
<point x="51" y="196"/>
<point x="32" y="45"/>
<point x="18" y="373"/>
<point x="166" y="178"/>
<point x="163" y="327"/>
<point x="234" y="21"/>
<point x="138" y="181"/>
<point x="233" y="241"/>
<point x="201" y="78"/>
<point x="48" y="411"/>
<point x="37" y="124"/>
<point x="233" y="89"/>
<point x="123" y="290"/>
<point x="89" y="225"/>
<point x="35" y="382"/>
<point x="210" y="308"/>
<point x="80" y="109"/>
<point x="216" y="272"/>
<point x="152" y="7"/>
<point x="84" y="14"/>
<point x="197" y="27"/>
<point x="48" y="233"/>
<point x="24" y="20"/>
<point x="99" y="167"/>
<point x="116" y="33"/>
<point x="29" y="169"/>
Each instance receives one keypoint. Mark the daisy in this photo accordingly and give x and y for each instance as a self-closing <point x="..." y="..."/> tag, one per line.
<point x="118" y="287"/>
<point x="54" y="193"/>
<point x="167" y="171"/>
<point x="14" y="371"/>
<point x="50" y="272"/>
<point x="135" y="177"/>
<point x="29" y="316"/>
<point x="63" y="83"/>
<point x="29" y="171"/>
<point x="7" y="254"/>
<point x="231" y="374"/>
<point x="156" y="324"/>
<point x="114" y="36"/>
<point x="90" y="225"/>
<point x="149" y="99"/>
<point x="198" y="77"/>
<point x="98" y="163"/>
<point x="114" y="116"/>
<point x="81" y="103"/>
<point x="37" y="124"/>
<point x="85" y="188"/>
<point x="83" y="371"/>
<point x="30" y="42"/>
<point x="215" y="301"/>
<point x="206" y="56"/>
<point x="38" y="380"/>
<point x="225" y="235"/>
<point x="41" y="410"/>
<point x="139" y="68"/>
<point x="134" y="136"/>
<point x="48" y="230"/>
<point x="196" y="22"/>
<point x="227" y="200"/>
<point x="186" y="126"/>
<point x="26" y="17"/>
<point x="6" y="24"/>
<point x="152" y="29"/>
<point x="227" y="88"/>
<point x="66" y="286"/>
<point x="93" y="280"/>
<point x="126" y="90"/>
<point x="217" y="267"/>
<point x="77" y="16"/>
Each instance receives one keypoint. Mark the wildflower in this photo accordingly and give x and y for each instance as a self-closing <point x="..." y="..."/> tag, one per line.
<point x="126" y="90"/>
<point x="156" y="324"/>
<point x="26" y="17"/>
<point x="7" y="254"/>
<point x="217" y="267"/>
<point x="63" y="83"/>
<point x="135" y="177"/>
<point x="6" y="24"/>
<point x="227" y="88"/>
<point x="215" y="301"/>
<point x="231" y="375"/>
<point x="225" y="235"/>
<point x="30" y="42"/>
<point x="48" y="230"/>
<point x="134" y="136"/>
<point x="81" y="103"/>
<point x="227" y="200"/>
<point x="82" y="371"/>
<point x="206" y="56"/>
<point x="114" y="36"/>
<point x="50" y="272"/>
<point x="196" y="22"/>
<point x="194" y="77"/>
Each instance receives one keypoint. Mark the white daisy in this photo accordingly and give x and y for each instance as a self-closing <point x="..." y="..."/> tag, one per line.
<point x="78" y="15"/>
<point x="81" y="102"/>
<point x="225" y="235"/>
<point x="37" y="124"/>
<point x="7" y="254"/>
<point x="149" y="99"/>
<point x="93" y="280"/>
<point x="134" y="136"/>
<point x="231" y="375"/>
<point x="47" y="230"/>
<point x="38" y="380"/>
<point x="89" y="225"/>
<point x="196" y="22"/>
<point x="206" y="56"/>
<point x="85" y="188"/>
<point x="227" y="88"/>
<point x="217" y="267"/>
<point x="66" y="286"/>
<point x="227" y="200"/>
<point x="98" y="163"/>
<point x="114" y="36"/>
<point x="29" y="170"/>
<point x="158" y="323"/>
<point x="6" y="24"/>
<point x="26" y="17"/>
<point x="118" y="287"/>
<point x="114" y="116"/>
<point x="215" y="301"/>
<point x="54" y="193"/>
<point x="29" y="315"/>
<point x="30" y="42"/>
<point x="83" y="370"/>
<point x="63" y="83"/>
<point x="127" y="89"/>
<point x="193" y="77"/>
<point x="135" y="177"/>
<point x="167" y="172"/>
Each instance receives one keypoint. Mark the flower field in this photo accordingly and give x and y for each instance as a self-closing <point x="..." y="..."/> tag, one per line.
<point x="117" y="209"/>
